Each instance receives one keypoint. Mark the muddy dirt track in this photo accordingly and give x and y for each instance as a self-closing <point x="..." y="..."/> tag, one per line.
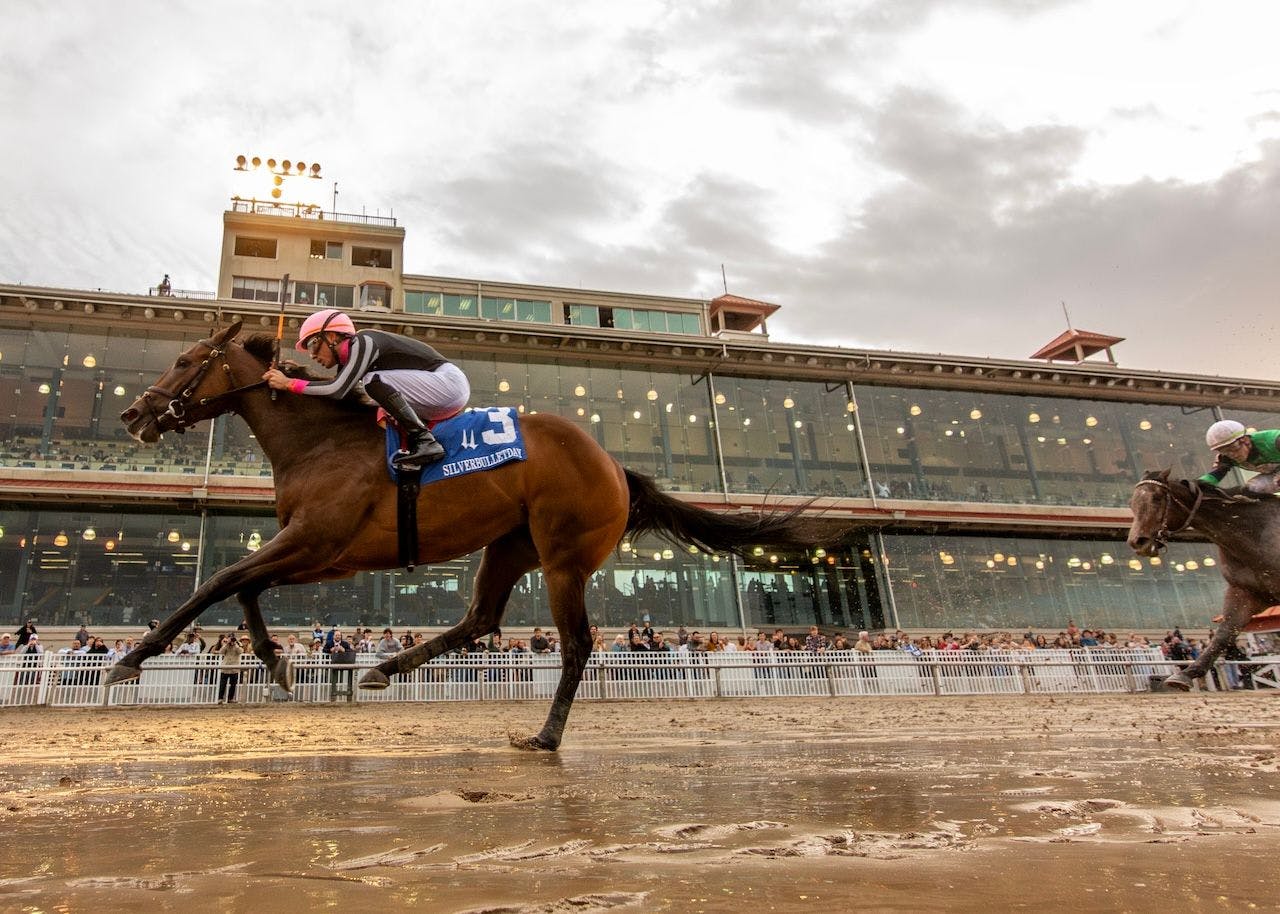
<point x="1098" y="803"/>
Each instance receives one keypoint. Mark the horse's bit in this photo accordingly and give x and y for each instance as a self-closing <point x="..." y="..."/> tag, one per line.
<point x="1162" y="535"/>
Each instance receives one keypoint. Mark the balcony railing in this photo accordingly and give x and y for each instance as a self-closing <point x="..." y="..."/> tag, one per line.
<point x="305" y="211"/>
<point x="161" y="292"/>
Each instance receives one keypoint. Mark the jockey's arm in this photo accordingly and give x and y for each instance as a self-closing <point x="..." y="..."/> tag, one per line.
<point x="1221" y="467"/>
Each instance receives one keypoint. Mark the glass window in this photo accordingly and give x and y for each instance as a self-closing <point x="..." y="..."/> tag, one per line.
<point x="623" y="319"/>
<point x="374" y="295"/>
<point x="1011" y="583"/>
<point x="691" y="324"/>
<point x="536" y="311"/>
<point x="582" y="315"/>
<point x="423" y="303"/>
<point x="326" y="250"/>
<point x="68" y="389"/>
<point x="370" y="257"/>
<point x="255" y="247"/>
<point x="96" y="567"/>
<point x="250" y="288"/>
<point x="788" y="437"/>
<point x="460" y="305"/>
<point x="498" y="309"/>
<point x="836" y="585"/>
<point x="963" y="446"/>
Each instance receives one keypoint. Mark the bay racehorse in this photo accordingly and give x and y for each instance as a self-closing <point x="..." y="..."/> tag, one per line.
<point x="1246" y="530"/>
<point x="563" y="509"/>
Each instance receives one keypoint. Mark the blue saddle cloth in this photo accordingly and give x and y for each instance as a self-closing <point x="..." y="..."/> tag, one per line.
<point x="479" y="439"/>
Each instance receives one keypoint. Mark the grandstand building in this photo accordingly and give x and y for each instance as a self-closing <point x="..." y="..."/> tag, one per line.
<point x="955" y="492"/>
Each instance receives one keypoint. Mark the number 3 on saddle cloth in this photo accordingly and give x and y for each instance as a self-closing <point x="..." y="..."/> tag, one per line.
<point x="479" y="439"/>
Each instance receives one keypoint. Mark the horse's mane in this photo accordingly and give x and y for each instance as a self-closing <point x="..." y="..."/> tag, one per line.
<point x="262" y="346"/>
<point x="1235" y="495"/>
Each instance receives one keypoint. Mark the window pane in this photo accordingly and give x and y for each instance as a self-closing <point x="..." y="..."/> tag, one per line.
<point x="1011" y="583"/>
<point x="582" y="315"/>
<point x="503" y="309"/>
<point x="460" y="305"/>
<point x="536" y="311"/>
<point x="371" y="257"/>
<point x="788" y="437"/>
<point x="255" y="247"/>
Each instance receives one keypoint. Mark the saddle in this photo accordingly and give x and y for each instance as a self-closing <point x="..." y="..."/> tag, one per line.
<point x="473" y="441"/>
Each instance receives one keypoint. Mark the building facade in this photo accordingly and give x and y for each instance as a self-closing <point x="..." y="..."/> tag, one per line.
<point x="955" y="492"/>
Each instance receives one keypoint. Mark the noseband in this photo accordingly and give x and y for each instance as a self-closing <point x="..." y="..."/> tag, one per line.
<point x="1162" y="535"/>
<point x="179" y="401"/>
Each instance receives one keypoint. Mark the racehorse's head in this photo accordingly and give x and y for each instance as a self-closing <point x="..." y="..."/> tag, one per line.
<point x="173" y="402"/>
<point x="1157" y="504"/>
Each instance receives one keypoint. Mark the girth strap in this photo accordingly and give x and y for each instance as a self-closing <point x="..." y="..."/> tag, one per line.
<point x="407" y="489"/>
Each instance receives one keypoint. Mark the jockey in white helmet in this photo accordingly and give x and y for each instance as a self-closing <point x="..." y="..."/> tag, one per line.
<point x="409" y="379"/>
<point x="1235" y="447"/>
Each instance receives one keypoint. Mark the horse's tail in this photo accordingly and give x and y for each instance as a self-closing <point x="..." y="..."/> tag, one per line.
<point x="653" y="511"/>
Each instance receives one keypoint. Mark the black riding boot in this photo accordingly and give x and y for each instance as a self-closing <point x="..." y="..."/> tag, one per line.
<point x="423" y="446"/>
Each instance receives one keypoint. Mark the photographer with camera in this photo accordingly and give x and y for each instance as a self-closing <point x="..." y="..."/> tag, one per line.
<point x="229" y="671"/>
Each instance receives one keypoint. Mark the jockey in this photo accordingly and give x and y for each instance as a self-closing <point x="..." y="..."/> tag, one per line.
<point x="409" y="379"/>
<point x="1259" y="452"/>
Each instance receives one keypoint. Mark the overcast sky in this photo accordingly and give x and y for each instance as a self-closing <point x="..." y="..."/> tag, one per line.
<point x="907" y="174"/>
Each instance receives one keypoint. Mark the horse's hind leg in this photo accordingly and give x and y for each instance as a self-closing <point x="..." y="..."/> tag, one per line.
<point x="505" y="561"/>
<point x="568" y="593"/>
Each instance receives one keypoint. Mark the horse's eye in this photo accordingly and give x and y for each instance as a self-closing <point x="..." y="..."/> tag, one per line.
<point x="181" y="363"/>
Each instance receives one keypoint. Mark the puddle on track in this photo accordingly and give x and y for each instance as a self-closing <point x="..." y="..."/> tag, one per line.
<point x="650" y="824"/>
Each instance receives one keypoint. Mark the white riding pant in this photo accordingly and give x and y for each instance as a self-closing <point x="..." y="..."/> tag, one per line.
<point x="432" y="394"/>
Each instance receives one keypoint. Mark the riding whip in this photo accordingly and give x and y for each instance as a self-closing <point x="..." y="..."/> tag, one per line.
<point x="275" y="360"/>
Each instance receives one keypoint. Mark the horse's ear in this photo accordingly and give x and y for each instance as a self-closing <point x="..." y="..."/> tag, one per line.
<point x="1163" y="475"/>
<point x="221" y="339"/>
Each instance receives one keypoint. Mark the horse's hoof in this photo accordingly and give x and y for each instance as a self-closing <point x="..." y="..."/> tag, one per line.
<point x="1178" y="682"/>
<point x="120" y="673"/>
<point x="283" y="674"/>
<point x="530" y="743"/>
<point x="374" y="679"/>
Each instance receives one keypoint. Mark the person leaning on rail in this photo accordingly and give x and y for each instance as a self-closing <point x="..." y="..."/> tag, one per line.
<point x="409" y="379"/>
<point x="1235" y="447"/>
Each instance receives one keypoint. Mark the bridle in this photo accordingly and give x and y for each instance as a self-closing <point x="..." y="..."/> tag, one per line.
<point x="1161" y="536"/>
<point x="180" y="401"/>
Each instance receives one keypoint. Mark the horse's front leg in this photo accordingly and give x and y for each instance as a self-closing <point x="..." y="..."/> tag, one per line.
<point x="288" y="553"/>
<point x="1238" y="607"/>
<point x="278" y="666"/>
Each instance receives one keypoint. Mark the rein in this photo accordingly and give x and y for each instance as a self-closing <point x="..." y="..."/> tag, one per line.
<point x="1162" y="535"/>
<point x="180" y="401"/>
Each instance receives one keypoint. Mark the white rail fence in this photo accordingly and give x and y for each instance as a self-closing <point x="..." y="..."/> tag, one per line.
<point x="75" y="680"/>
